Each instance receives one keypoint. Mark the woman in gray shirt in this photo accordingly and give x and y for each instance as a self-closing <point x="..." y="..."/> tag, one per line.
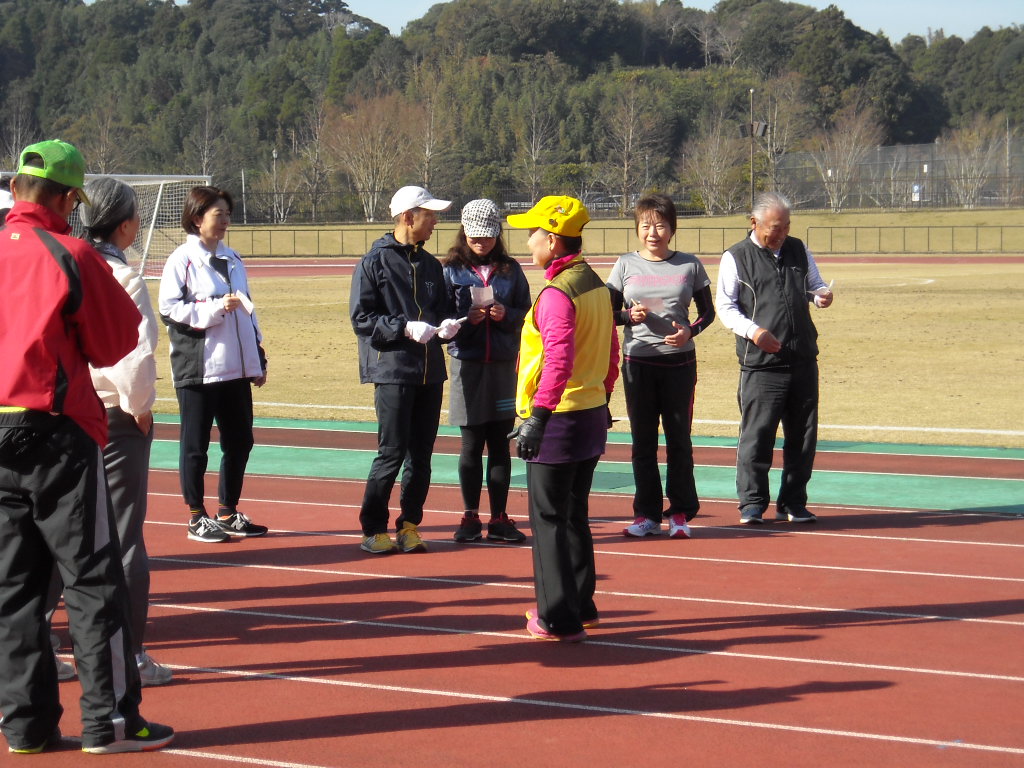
<point x="652" y="289"/>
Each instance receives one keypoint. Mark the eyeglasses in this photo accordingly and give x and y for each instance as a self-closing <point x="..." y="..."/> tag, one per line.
<point x="71" y="191"/>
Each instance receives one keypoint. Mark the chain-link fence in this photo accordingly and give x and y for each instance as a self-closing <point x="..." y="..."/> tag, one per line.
<point x="898" y="177"/>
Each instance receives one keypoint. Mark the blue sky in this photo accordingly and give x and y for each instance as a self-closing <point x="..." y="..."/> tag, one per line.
<point x="896" y="18"/>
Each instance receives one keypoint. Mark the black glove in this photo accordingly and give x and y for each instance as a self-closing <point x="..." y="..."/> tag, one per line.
<point x="529" y="434"/>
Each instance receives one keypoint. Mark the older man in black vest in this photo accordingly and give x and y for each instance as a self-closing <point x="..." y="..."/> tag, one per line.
<point x="765" y="286"/>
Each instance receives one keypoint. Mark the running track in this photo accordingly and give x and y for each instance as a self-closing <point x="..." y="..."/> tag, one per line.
<point x="887" y="635"/>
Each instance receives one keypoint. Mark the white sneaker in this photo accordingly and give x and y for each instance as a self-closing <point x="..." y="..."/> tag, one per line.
<point x="150" y="672"/>
<point x="678" y="528"/>
<point x="65" y="670"/>
<point x="643" y="526"/>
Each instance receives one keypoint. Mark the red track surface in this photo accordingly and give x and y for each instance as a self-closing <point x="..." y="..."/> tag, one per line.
<point x="894" y="644"/>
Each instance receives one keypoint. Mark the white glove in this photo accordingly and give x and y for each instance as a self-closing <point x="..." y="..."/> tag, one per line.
<point x="419" y="331"/>
<point x="448" y="329"/>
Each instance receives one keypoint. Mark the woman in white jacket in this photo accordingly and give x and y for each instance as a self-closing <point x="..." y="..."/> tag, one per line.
<point x="216" y="354"/>
<point x="128" y="389"/>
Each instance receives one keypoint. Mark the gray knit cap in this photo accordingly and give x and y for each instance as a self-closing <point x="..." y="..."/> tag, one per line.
<point x="480" y="218"/>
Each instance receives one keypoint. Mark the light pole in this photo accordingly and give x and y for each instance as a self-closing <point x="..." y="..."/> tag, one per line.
<point x="274" y="172"/>
<point x="751" y="149"/>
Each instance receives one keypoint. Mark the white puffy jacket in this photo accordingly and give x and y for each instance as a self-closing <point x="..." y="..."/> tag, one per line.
<point x="208" y="344"/>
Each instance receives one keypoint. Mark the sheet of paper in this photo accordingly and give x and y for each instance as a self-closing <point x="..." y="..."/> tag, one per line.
<point x="482" y="295"/>
<point x="823" y="291"/>
<point x="247" y="304"/>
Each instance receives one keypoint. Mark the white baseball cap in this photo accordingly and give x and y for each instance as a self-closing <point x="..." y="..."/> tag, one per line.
<point x="408" y="198"/>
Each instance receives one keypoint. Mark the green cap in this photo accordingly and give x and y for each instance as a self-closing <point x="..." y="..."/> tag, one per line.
<point x="62" y="163"/>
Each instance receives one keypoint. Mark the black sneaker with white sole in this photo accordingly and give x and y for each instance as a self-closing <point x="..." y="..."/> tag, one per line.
<point x="205" y="529"/>
<point x="796" y="516"/>
<point x="149" y="737"/>
<point x="237" y="524"/>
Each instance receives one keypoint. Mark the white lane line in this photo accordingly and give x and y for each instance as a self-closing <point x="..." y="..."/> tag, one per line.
<point x="579" y="706"/>
<point x="464" y="582"/>
<point x="673" y="649"/>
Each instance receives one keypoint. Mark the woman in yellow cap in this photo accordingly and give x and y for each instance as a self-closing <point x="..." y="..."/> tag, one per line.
<point x="568" y="364"/>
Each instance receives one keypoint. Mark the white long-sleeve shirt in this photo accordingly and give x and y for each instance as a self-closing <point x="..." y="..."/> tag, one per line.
<point x="728" y="290"/>
<point x="130" y="384"/>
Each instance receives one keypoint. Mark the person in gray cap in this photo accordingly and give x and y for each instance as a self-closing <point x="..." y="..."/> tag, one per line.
<point x="399" y="312"/>
<point x="487" y="287"/>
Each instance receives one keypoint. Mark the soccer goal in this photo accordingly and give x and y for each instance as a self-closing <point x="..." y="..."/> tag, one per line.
<point x="161" y="199"/>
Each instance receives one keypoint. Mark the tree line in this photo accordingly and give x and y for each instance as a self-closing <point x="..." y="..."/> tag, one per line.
<point x="320" y="113"/>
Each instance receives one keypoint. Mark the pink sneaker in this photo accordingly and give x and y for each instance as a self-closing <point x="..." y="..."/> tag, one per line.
<point x="587" y="623"/>
<point x="677" y="527"/>
<point x="537" y="631"/>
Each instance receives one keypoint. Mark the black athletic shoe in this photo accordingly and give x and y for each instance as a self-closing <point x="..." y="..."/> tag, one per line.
<point x="796" y="516"/>
<point x="504" y="529"/>
<point x="148" y="738"/>
<point x="752" y="515"/>
<point x="470" y="529"/>
<point x="53" y="740"/>
<point x="237" y="524"/>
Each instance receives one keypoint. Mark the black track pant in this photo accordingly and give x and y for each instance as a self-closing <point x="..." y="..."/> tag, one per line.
<point x="54" y="508"/>
<point x="564" y="577"/>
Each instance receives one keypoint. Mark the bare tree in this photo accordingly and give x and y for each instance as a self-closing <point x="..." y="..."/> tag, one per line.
<point x="635" y="133"/>
<point x="434" y="128"/>
<point x="369" y="143"/>
<point x="726" y="39"/>
<point x="704" y="28"/>
<point x="103" y="139"/>
<point x="275" y="191"/>
<point x="712" y="164"/>
<point x="789" y="123"/>
<point x="536" y="132"/>
<point x="18" y="125"/>
<point x="890" y="185"/>
<point x="838" y="152"/>
<point x="203" y="143"/>
<point x="316" y="167"/>
<point x="972" y="153"/>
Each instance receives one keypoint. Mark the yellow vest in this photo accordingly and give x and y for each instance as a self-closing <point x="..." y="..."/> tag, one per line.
<point x="592" y="340"/>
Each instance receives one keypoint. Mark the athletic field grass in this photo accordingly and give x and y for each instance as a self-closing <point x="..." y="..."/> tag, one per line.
<point x="910" y="352"/>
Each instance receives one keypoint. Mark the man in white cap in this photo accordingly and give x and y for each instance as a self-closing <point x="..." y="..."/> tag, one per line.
<point x="400" y="310"/>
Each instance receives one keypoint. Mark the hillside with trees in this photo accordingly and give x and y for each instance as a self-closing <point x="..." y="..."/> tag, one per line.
<point x="325" y="112"/>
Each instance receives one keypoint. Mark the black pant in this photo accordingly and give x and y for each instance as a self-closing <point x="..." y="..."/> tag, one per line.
<point x="229" y="404"/>
<point x="767" y="398"/>
<point x="493" y="434"/>
<point x="54" y="508"/>
<point x="661" y="393"/>
<point x="564" y="575"/>
<point x="407" y="420"/>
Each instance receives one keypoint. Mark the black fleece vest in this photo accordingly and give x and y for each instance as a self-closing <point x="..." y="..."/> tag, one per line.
<point x="773" y="294"/>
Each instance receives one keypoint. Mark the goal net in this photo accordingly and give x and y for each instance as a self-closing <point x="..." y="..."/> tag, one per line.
<point x="161" y="199"/>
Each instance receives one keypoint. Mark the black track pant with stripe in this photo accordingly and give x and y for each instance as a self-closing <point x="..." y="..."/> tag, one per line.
<point x="54" y="508"/>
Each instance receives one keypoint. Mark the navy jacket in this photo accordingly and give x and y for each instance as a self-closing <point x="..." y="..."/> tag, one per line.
<point x="392" y="285"/>
<point x="488" y="341"/>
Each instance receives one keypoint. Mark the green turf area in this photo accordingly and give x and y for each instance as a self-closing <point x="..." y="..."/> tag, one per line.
<point x="997" y="496"/>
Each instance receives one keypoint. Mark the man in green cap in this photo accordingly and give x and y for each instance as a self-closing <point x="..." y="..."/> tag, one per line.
<point x="65" y="311"/>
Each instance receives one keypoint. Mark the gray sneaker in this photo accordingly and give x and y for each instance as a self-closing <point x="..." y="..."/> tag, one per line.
<point x="150" y="672"/>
